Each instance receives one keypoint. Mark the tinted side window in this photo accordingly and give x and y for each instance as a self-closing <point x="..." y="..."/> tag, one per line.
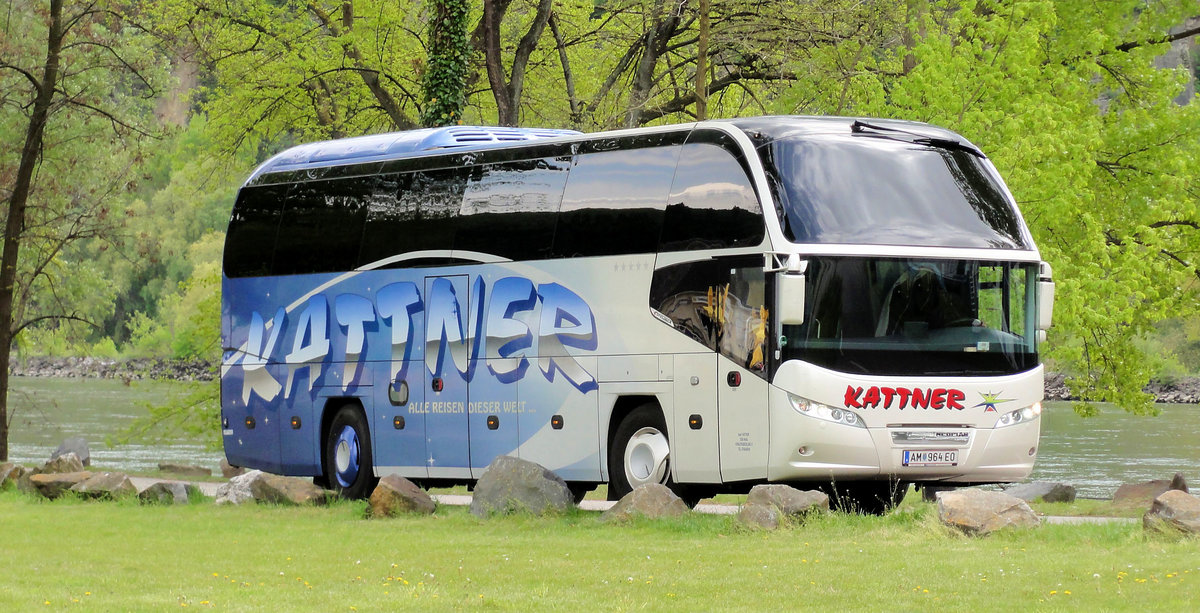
<point x="321" y="226"/>
<point x="720" y="303"/>
<point x="614" y="202"/>
<point x="250" y="241"/>
<point x="412" y="212"/>
<point x="712" y="203"/>
<point x="509" y="209"/>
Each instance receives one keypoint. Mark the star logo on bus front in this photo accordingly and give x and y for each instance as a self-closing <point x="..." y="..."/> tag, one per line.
<point x="990" y="400"/>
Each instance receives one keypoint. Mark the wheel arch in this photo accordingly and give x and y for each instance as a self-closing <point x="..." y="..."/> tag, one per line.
<point x="622" y="407"/>
<point x="329" y="410"/>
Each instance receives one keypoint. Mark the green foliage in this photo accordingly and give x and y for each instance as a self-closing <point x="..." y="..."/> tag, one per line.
<point x="443" y="88"/>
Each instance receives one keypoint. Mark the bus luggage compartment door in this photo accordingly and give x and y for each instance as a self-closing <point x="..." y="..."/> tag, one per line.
<point x="694" y="424"/>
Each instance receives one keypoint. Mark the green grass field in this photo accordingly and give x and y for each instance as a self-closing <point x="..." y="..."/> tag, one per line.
<point x="88" y="556"/>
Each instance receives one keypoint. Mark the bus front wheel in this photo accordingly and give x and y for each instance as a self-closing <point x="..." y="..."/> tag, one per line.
<point x="640" y="453"/>
<point x="348" y="462"/>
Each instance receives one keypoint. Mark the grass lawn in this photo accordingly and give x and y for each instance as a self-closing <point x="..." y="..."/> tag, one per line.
<point x="119" y="556"/>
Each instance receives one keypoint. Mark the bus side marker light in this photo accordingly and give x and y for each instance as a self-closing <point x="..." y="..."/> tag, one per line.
<point x="734" y="378"/>
<point x="438" y="384"/>
<point x="250" y="423"/>
<point x="695" y="422"/>
<point x="493" y="422"/>
<point x="398" y="422"/>
<point x="556" y="422"/>
<point x="295" y="422"/>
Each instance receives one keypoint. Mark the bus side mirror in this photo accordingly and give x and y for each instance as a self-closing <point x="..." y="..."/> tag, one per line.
<point x="1045" y="298"/>
<point x="791" y="298"/>
<point x="789" y="286"/>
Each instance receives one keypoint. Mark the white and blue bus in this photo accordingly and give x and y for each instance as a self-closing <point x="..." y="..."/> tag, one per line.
<point x="850" y="304"/>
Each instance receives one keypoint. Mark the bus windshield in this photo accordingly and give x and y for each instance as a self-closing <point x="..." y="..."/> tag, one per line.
<point x="865" y="190"/>
<point x="917" y="317"/>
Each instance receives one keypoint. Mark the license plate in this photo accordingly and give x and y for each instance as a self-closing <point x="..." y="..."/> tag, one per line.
<point x="930" y="457"/>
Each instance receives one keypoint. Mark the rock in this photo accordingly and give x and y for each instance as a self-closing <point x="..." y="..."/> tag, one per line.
<point x="66" y="463"/>
<point x="237" y="491"/>
<point x="185" y="470"/>
<point x="981" y="512"/>
<point x="230" y="471"/>
<point x="759" y="516"/>
<point x="108" y="486"/>
<point x="652" y="501"/>
<point x="1143" y="494"/>
<point x="75" y="445"/>
<point x="1174" y="512"/>
<point x="1044" y="491"/>
<point x="11" y="473"/>
<point x="1179" y="483"/>
<point x="395" y="495"/>
<point x="164" y="492"/>
<point x="53" y="485"/>
<point x="789" y="500"/>
<point x="513" y="485"/>
<point x="276" y="489"/>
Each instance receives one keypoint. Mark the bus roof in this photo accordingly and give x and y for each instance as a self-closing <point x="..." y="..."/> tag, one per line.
<point x="396" y="145"/>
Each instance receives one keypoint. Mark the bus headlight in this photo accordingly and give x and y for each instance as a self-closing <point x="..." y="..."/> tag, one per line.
<point x="1019" y="416"/>
<point x="810" y="408"/>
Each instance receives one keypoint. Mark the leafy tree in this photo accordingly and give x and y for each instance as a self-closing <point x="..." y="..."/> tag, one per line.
<point x="443" y="90"/>
<point x="76" y="87"/>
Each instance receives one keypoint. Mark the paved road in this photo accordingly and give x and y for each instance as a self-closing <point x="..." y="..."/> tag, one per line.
<point x="210" y="489"/>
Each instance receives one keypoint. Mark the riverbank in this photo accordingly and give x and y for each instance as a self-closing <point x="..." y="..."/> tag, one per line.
<point x="1181" y="391"/>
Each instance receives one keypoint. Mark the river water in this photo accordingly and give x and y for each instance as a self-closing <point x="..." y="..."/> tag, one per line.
<point x="1095" y="454"/>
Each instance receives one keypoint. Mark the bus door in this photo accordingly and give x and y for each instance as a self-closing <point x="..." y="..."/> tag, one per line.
<point x="399" y="428"/>
<point x="447" y="362"/>
<point x="743" y="321"/>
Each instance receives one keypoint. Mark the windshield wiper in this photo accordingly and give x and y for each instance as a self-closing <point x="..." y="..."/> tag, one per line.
<point x="876" y="131"/>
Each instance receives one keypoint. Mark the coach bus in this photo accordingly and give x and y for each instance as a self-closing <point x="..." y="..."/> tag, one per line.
<point x="855" y="305"/>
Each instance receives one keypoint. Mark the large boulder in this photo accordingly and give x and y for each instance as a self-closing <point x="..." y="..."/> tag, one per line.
<point x="1174" y="512"/>
<point x="53" y="485"/>
<point x="106" y="485"/>
<point x="770" y="505"/>
<point x="164" y="492"/>
<point x="1043" y="491"/>
<point x="65" y="463"/>
<point x="1144" y="493"/>
<point x="184" y="470"/>
<point x="395" y="495"/>
<point x="981" y="512"/>
<point x="76" y="445"/>
<point x="513" y="485"/>
<point x="652" y="501"/>
<point x="275" y="489"/>
<point x="237" y="490"/>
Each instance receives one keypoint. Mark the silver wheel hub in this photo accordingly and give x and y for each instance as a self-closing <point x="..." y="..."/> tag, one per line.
<point x="341" y="456"/>
<point x="646" y="457"/>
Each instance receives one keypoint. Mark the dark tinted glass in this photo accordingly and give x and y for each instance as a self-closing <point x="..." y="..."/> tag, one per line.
<point x="250" y="241"/>
<point x="614" y="202"/>
<point x="885" y="192"/>
<point x="322" y="225"/>
<point x="712" y="203"/>
<point x="720" y="303"/>
<point x="509" y="209"/>
<point x="412" y="212"/>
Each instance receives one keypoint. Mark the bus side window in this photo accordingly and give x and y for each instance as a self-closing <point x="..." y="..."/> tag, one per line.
<point x="509" y="210"/>
<point x="712" y="203"/>
<point x="321" y="226"/>
<point x="613" y="203"/>
<point x="720" y="303"/>
<point x="412" y="212"/>
<point x="250" y="241"/>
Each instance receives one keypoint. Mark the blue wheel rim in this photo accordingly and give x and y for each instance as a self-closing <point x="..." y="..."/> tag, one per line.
<point x="346" y="461"/>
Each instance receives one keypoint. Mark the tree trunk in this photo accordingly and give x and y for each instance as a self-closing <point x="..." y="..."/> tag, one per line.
<point x="17" y="203"/>
<point x="702" y="64"/>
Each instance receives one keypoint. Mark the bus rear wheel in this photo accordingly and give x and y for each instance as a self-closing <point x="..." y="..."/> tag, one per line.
<point x="639" y="453"/>
<point x="348" y="462"/>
